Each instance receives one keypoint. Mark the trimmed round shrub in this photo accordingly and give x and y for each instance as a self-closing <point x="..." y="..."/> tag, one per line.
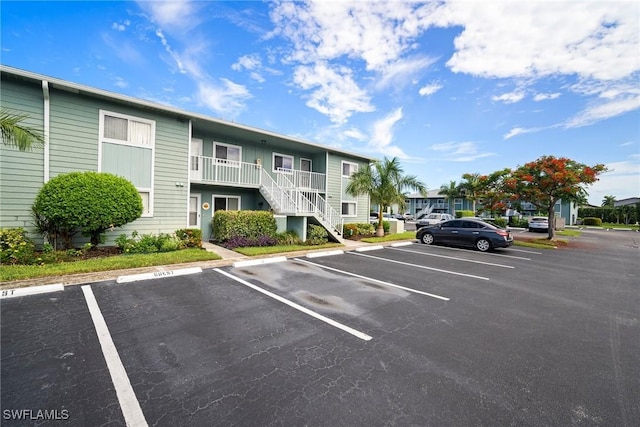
<point x="592" y="221"/>
<point x="92" y="202"/>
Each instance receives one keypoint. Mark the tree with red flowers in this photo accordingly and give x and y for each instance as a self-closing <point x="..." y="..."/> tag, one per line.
<point x="545" y="181"/>
<point x="491" y="190"/>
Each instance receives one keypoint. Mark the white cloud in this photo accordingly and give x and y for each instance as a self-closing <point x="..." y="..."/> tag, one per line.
<point x="429" y="89"/>
<point x="382" y="135"/>
<point x="460" y="151"/>
<point x="622" y="181"/>
<point x="335" y="93"/>
<point x="247" y="62"/>
<point x="120" y="27"/>
<point x="376" y="32"/>
<point x="173" y="15"/>
<point x="355" y="133"/>
<point x="251" y="63"/>
<point x="511" y="39"/>
<point x="544" y="96"/>
<point x="604" y="110"/>
<point x="509" y="98"/>
<point x="121" y="83"/>
<point x="167" y="47"/>
<point x="226" y="98"/>
<point x="375" y="39"/>
<point x="403" y="71"/>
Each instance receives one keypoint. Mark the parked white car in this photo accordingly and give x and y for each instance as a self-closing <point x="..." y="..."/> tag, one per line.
<point x="433" y="218"/>
<point x="538" y="223"/>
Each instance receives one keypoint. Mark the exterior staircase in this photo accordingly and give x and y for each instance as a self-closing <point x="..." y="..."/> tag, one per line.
<point x="287" y="199"/>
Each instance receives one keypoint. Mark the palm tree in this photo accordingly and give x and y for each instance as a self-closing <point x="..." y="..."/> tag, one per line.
<point x="15" y="134"/>
<point x="609" y="201"/>
<point x="471" y="187"/>
<point x="450" y="191"/>
<point x="385" y="184"/>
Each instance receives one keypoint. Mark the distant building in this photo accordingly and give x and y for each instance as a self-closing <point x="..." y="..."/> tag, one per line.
<point x="436" y="202"/>
<point x="626" y="202"/>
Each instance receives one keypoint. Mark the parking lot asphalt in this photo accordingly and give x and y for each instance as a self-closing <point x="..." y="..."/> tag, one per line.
<point x="403" y="335"/>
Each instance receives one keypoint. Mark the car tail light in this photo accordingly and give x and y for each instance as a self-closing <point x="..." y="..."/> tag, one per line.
<point x="503" y="233"/>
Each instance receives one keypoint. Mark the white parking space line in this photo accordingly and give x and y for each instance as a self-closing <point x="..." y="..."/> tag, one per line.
<point x="261" y="261"/>
<point x="371" y="279"/>
<point x="449" y="248"/>
<point x="298" y="307"/>
<point x="369" y="248"/>
<point x="524" y="251"/>
<point x="455" y="258"/>
<point x="129" y="404"/>
<point x="32" y="290"/>
<point x="324" y="253"/>
<point x="421" y="266"/>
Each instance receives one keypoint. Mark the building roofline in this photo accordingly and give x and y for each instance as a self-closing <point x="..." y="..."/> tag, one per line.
<point x="79" y="88"/>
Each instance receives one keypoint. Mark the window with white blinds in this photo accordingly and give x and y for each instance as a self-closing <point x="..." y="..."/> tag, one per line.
<point x="127" y="130"/>
<point x="127" y="149"/>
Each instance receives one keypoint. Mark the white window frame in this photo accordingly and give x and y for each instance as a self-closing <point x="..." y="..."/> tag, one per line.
<point x="224" y="196"/>
<point x="273" y="162"/>
<point x="355" y="210"/>
<point x="148" y="212"/>
<point x="355" y="168"/>
<point x="306" y="160"/>
<point x="233" y="163"/>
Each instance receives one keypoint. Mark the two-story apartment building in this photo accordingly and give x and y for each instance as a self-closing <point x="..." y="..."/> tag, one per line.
<point x="186" y="166"/>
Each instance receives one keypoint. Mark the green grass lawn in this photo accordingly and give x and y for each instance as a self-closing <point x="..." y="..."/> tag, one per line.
<point x="407" y="235"/>
<point x="118" y="262"/>
<point x="268" y="250"/>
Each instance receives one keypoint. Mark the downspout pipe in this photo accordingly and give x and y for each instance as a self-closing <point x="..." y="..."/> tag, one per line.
<point x="45" y="95"/>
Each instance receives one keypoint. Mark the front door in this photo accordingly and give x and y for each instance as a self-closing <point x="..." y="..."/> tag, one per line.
<point x="196" y="159"/>
<point x="194" y="211"/>
<point x="305" y="173"/>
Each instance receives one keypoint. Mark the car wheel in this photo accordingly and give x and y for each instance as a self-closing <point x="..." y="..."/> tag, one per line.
<point x="483" y="245"/>
<point x="531" y="230"/>
<point x="427" y="238"/>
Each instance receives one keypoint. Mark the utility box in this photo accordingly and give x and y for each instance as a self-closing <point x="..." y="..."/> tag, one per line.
<point x="396" y="226"/>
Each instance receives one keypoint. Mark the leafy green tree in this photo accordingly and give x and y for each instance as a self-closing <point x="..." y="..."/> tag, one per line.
<point x="89" y="201"/>
<point x="609" y="201"/>
<point x="492" y="191"/>
<point x="385" y="183"/>
<point x="450" y="191"/>
<point x="548" y="179"/>
<point x="16" y="134"/>
<point x="470" y="188"/>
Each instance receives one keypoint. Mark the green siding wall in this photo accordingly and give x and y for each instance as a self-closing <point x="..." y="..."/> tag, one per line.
<point x="74" y="142"/>
<point x="21" y="173"/>
<point x="136" y="169"/>
<point x="335" y="188"/>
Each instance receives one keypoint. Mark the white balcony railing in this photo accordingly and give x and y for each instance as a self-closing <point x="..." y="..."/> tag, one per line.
<point x="221" y="171"/>
<point x="304" y="179"/>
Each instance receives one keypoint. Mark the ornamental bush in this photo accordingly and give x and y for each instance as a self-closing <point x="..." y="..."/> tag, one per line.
<point x="15" y="247"/>
<point x="464" y="214"/>
<point x="191" y="237"/>
<point x="91" y="202"/>
<point x="592" y="221"/>
<point x="316" y="235"/>
<point x="248" y="224"/>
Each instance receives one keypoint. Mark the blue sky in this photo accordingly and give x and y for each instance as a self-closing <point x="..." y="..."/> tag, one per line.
<point x="447" y="87"/>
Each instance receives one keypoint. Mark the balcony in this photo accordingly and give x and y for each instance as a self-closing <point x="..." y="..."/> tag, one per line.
<point x="209" y="170"/>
